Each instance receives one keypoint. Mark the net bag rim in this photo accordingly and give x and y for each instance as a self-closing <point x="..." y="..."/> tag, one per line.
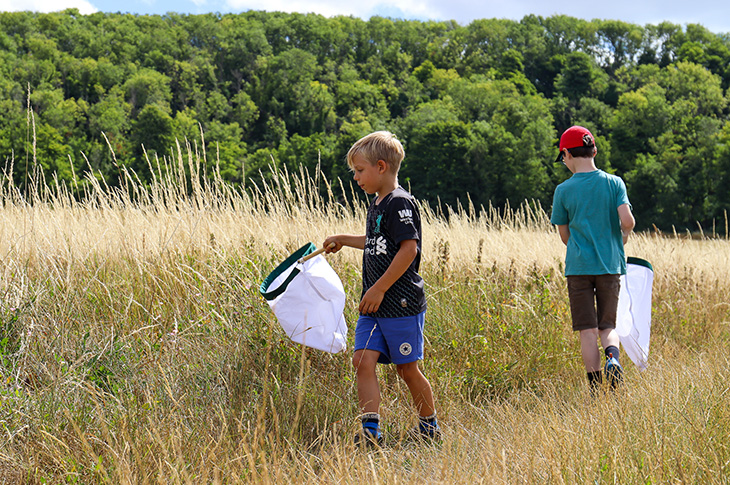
<point x="640" y="262"/>
<point x="292" y="259"/>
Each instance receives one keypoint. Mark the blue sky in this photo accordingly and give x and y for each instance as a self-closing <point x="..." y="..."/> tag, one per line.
<point x="713" y="14"/>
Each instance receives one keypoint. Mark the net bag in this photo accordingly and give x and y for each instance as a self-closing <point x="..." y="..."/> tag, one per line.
<point x="308" y="300"/>
<point x="633" y="318"/>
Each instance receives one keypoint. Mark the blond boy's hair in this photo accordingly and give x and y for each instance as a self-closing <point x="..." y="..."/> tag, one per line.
<point x="379" y="145"/>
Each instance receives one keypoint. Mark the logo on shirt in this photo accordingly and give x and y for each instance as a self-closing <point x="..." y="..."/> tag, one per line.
<point x="405" y="348"/>
<point x="406" y="216"/>
<point x="377" y="223"/>
<point x="380" y="246"/>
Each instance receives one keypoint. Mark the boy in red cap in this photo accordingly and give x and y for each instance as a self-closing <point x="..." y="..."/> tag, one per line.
<point x="593" y="215"/>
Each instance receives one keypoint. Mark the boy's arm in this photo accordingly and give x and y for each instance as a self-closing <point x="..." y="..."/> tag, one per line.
<point x="357" y="242"/>
<point x="564" y="231"/>
<point x="627" y="221"/>
<point x="372" y="298"/>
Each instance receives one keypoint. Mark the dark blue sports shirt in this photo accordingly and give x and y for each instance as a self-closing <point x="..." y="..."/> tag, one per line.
<point x="394" y="220"/>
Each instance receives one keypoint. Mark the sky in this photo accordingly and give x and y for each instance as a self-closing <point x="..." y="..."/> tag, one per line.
<point x="712" y="14"/>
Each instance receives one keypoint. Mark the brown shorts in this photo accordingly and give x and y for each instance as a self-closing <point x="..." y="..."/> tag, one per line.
<point x="593" y="300"/>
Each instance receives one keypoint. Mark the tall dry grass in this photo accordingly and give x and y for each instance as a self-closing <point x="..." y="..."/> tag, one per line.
<point x="136" y="349"/>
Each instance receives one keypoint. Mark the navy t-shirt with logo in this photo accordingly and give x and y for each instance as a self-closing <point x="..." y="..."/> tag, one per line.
<point x="394" y="220"/>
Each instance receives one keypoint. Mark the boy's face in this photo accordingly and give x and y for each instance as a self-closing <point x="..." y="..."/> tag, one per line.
<point x="367" y="175"/>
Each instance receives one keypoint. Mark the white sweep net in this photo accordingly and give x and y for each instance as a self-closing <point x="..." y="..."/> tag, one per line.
<point x="308" y="300"/>
<point x="633" y="320"/>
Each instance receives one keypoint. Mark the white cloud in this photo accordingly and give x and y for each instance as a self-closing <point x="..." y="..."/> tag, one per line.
<point x="44" y="6"/>
<point x="329" y="8"/>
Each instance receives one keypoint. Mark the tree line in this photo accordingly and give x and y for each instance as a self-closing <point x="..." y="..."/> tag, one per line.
<point x="479" y="107"/>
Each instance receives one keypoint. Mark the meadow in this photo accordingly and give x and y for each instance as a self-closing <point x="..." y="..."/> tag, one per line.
<point x="136" y="348"/>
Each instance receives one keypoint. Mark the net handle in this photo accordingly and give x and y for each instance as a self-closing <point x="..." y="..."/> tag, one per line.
<point x="315" y="253"/>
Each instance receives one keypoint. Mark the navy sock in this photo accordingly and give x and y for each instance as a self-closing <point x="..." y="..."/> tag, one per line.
<point x="428" y="419"/>
<point x="371" y="423"/>
<point x="611" y="350"/>
<point x="427" y="422"/>
<point x="594" y="379"/>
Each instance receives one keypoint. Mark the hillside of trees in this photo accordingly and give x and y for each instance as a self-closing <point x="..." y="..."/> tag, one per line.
<point x="478" y="107"/>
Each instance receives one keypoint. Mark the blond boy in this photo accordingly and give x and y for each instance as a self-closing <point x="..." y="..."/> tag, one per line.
<point x="393" y="304"/>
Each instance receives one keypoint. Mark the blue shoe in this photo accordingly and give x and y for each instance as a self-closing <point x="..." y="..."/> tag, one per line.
<point x="425" y="431"/>
<point x="370" y="436"/>
<point x="614" y="372"/>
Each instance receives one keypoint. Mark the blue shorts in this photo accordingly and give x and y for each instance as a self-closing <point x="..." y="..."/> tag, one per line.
<point x="399" y="340"/>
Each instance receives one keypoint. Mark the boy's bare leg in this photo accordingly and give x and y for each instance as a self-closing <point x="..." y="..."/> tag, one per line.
<point x="609" y="337"/>
<point x="419" y="386"/>
<point x="368" y="391"/>
<point x="589" y="349"/>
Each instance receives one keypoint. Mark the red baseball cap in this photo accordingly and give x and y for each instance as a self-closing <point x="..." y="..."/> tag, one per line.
<point x="575" y="136"/>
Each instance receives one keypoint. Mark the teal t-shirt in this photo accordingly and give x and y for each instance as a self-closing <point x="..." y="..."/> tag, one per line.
<point x="588" y="203"/>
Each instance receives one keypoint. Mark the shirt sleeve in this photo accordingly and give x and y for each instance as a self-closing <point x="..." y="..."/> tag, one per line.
<point x="559" y="215"/>
<point x="622" y="196"/>
<point x="403" y="220"/>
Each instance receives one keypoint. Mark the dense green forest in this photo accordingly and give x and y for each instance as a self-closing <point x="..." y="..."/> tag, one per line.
<point x="478" y="107"/>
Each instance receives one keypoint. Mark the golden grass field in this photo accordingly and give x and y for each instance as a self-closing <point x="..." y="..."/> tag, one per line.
<point x="136" y="349"/>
